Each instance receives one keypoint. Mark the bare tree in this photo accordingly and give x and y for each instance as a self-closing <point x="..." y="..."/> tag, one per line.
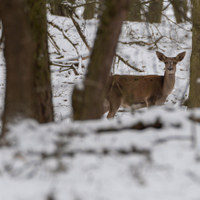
<point x="18" y="53"/>
<point x="155" y="11"/>
<point x="28" y="83"/>
<point x="194" y="94"/>
<point x="42" y="77"/>
<point x="87" y="102"/>
<point x="180" y="10"/>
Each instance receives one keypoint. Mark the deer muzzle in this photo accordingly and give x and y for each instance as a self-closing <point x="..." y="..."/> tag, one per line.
<point x="170" y="68"/>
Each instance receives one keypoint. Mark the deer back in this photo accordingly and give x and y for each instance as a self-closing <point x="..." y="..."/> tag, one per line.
<point x="135" y="89"/>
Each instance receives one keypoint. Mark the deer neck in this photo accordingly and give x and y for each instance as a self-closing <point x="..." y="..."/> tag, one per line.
<point x="168" y="84"/>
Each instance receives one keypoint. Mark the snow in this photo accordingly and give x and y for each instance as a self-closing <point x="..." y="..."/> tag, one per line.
<point x="107" y="159"/>
<point x="73" y="160"/>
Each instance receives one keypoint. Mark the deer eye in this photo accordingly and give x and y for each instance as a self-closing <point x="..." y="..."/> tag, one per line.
<point x="174" y="63"/>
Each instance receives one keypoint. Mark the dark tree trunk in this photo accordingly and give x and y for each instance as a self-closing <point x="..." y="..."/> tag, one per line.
<point x="155" y="11"/>
<point x="18" y="52"/>
<point x="42" y="76"/>
<point x="134" y="11"/>
<point x="87" y="102"/>
<point x="194" y="95"/>
<point x="28" y="83"/>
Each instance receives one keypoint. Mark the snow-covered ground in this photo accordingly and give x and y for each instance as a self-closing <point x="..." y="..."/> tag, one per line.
<point x="107" y="159"/>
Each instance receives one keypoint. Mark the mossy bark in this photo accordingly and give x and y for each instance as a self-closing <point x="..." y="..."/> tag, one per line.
<point x="155" y="11"/>
<point x="88" y="102"/>
<point x="18" y="52"/>
<point x="42" y="77"/>
<point x="194" y="94"/>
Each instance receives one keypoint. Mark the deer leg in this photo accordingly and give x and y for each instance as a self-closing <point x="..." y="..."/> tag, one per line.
<point x="150" y="102"/>
<point x="114" y="106"/>
<point x="106" y="106"/>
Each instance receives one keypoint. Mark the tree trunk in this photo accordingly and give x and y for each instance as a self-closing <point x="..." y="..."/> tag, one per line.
<point x="89" y="10"/>
<point x="28" y="83"/>
<point x="87" y="102"/>
<point x="134" y="14"/>
<point x="56" y="8"/>
<point x="18" y="52"/>
<point x="180" y="10"/>
<point x="155" y="11"/>
<point x="194" y="94"/>
<point x="42" y="76"/>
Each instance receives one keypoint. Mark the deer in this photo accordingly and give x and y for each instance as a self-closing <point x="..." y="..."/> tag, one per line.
<point x="134" y="91"/>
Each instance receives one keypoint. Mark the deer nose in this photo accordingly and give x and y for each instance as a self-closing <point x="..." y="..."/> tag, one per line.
<point x="169" y="68"/>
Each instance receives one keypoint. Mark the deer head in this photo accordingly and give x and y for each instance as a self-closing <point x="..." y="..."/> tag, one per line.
<point x="170" y="62"/>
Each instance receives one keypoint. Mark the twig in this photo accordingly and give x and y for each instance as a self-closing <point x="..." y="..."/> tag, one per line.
<point x="74" y="45"/>
<point x="64" y="66"/>
<point x="172" y="138"/>
<point x="54" y="25"/>
<point x="77" y="27"/>
<point x="128" y="64"/>
<point x="176" y="23"/>
<point x="60" y="29"/>
<point x="53" y="43"/>
<point x="65" y="61"/>
<point x="142" y="43"/>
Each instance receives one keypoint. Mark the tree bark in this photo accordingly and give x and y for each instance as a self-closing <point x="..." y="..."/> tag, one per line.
<point x="28" y="83"/>
<point x="88" y="102"/>
<point x="18" y="53"/>
<point x="56" y="7"/>
<point x="42" y="76"/>
<point x="180" y="10"/>
<point x="89" y="10"/>
<point x="194" y="94"/>
<point x="134" y="14"/>
<point x="155" y="11"/>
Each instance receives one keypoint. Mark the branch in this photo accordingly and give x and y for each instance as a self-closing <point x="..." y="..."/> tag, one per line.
<point x="64" y="66"/>
<point x="139" y="126"/>
<point x="74" y="45"/>
<point x="176" y="23"/>
<point x="103" y="151"/>
<point x="54" y="43"/>
<point x="60" y="29"/>
<point x="69" y="8"/>
<point x="172" y="138"/>
<point x="128" y="64"/>
<point x="54" y="25"/>
<point x="142" y="43"/>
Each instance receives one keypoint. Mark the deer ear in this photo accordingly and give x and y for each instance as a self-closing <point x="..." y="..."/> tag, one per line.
<point x="161" y="56"/>
<point x="180" y="56"/>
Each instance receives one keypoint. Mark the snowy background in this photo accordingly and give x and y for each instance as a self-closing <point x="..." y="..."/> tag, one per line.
<point x="107" y="159"/>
